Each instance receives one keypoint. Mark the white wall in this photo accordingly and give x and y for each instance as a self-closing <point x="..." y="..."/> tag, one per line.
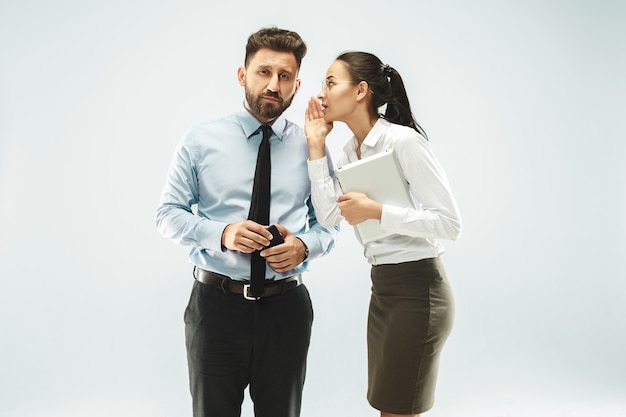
<point x="524" y="103"/>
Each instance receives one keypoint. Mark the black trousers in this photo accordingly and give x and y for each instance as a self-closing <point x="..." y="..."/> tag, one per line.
<point x="233" y="343"/>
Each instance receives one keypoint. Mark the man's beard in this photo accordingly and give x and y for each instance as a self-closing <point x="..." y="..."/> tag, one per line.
<point x="265" y="109"/>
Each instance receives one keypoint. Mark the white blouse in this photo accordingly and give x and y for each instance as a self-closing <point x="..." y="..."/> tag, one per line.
<point x="416" y="230"/>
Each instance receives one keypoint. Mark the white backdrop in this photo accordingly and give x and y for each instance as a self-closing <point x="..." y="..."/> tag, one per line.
<point x="524" y="103"/>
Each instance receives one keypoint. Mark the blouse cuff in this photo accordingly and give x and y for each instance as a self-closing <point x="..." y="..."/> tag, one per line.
<point x="392" y="217"/>
<point x="318" y="169"/>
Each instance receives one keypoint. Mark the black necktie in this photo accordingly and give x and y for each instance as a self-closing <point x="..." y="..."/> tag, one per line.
<point x="260" y="208"/>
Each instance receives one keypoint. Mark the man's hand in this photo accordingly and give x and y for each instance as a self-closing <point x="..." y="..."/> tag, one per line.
<point x="246" y="236"/>
<point x="287" y="255"/>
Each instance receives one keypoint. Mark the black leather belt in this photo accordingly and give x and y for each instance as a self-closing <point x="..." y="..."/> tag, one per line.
<point x="229" y="285"/>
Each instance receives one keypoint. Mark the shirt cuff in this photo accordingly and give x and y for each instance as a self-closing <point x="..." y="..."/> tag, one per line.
<point x="318" y="169"/>
<point x="306" y="249"/>
<point x="392" y="217"/>
<point x="213" y="231"/>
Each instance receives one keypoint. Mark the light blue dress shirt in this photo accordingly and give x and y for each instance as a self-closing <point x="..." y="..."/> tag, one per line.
<point x="213" y="169"/>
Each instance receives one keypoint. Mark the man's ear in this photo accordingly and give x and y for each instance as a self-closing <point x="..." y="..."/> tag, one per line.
<point x="241" y="76"/>
<point x="297" y="86"/>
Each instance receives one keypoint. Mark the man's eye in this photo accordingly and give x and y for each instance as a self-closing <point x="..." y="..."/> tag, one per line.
<point x="263" y="72"/>
<point x="284" y="76"/>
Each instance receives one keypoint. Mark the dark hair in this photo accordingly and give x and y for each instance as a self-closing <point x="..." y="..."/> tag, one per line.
<point x="385" y="84"/>
<point x="276" y="39"/>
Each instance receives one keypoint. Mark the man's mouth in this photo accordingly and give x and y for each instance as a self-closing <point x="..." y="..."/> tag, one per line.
<point x="273" y="99"/>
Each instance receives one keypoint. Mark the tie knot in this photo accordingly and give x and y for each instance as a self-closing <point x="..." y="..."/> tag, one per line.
<point x="267" y="131"/>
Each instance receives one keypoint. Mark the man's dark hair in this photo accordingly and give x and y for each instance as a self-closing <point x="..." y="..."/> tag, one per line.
<point x="276" y="39"/>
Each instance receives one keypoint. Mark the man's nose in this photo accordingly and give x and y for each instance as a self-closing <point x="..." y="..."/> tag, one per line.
<point x="273" y="85"/>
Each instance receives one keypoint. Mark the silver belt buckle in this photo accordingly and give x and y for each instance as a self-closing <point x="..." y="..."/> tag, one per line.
<point x="246" y="293"/>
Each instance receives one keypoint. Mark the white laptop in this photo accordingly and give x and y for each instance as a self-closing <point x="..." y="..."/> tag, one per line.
<point x="380" y="178"/>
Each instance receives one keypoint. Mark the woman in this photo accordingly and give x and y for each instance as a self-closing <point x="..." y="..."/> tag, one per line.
<point x="411" y="307"/>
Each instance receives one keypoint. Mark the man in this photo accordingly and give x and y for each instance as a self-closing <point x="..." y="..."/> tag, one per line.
<point x="241" y="332"/>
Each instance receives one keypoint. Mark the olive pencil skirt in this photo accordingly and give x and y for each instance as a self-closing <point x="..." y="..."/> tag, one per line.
<point x="410" y="317"/>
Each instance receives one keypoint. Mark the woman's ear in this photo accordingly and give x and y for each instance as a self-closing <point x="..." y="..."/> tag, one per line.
<point x="362" y="90"/>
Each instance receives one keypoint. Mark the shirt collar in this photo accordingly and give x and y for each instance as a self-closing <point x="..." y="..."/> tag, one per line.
<point x="251" y="124"/>
<point x="371" y="139"/>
